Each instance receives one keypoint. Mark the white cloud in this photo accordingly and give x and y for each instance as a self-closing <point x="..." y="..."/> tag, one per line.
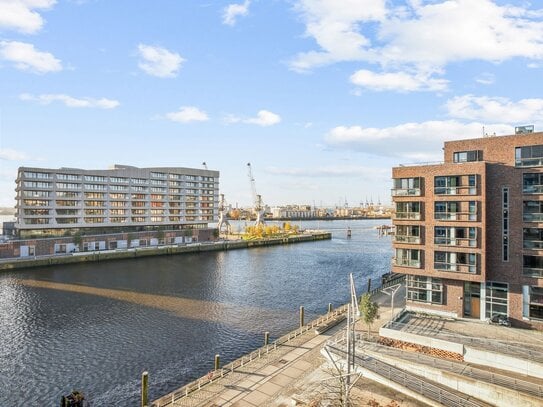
<point x="158" y="61"/>
<point x="263" y="118"/>
<point x="397" y="81"/>
<point x="70" y="101"/>
<point x="20" y="15"/>
<point x="335" y="27"/>
<point x="26" y="58"/>
<point x="233" y="11"/>
<point x="424" y="35"/>
<point x="491" y="109"/>
<point x="9" y="154"/>
<point x="485" y="78"/>
<point x="187" y="114"/>
<point x="411" y="141"/>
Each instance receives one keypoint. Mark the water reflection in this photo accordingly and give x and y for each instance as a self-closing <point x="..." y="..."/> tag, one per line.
<point x="97" y="326"/>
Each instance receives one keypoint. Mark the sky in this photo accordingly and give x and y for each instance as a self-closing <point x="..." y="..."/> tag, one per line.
<point x="322" y="97"/>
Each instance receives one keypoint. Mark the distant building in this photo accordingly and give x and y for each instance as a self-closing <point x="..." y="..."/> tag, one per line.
<point x="59" y="202"/>
<point x="469" y="232"/>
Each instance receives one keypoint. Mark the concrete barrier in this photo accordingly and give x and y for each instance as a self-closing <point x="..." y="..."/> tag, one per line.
<point x="504" y="362"/>
<point x="422" y="340"/>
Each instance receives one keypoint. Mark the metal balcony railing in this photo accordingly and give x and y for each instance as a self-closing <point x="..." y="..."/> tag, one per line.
<point x="406" y="263"/>
<point x="532" y="217"/>
<point x="532" y="189"/>
<point x="455" y="241"/>
<point x="529" y="162"/>
<point x="407" y="239"/>
<point x="533" y="244"/>
<point x="456" y="267"/>
<point x="407" y="215"/>
<point x="532" y="272"/>
<point x="406" y="192"/>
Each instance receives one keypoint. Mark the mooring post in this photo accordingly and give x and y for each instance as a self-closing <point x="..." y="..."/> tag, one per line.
<point x="301" y="316"/>
<point x="217" y="362"/>
<point x="369" y="284"/>
<point x="329" y="307"/>
<point x="144" y="389"/>
<point x="266" y="338"/>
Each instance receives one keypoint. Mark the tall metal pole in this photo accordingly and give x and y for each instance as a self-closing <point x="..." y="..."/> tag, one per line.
<point x="348" y="378"/>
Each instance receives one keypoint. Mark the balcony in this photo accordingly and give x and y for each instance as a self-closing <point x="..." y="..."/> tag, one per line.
<point x="402" y="262"/>
<point x="407" y="239"/>
<point x="455" y="216"/>
<point x="406" y="192"/>
<point x="532" y="244"/>
<point x="461" y="190"/>
<point x="529" y="162"/>
<point x="407" y="215"/>
<point x="532" y="217"/>
<point x="456" y="267"/>
<point x="532" y="272"/>
<point x="455" y="242"/>
<point x="532" y="189"/>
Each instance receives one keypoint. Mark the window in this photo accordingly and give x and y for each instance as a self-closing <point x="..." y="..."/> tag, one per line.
<point x="67" y="194"/>
<point x="453" y="236"/>
<point x="95" y="220"/>
<point x="35" y="202"/>
<point x="424" y="289"/>
<point x="408" y="210"/>
<point x="533" y="238"/>
<point x="94" y="195"/>
<point x="117" y="196"/>
<point x="532" y="266"/>
<point x="70" y="212"/>
<point x="37" y="184"/>
<point x="65" y="221"/>
<point x="158" y="175"/>
<point x="457" y="262"/>
<point x="406" y="257"/>
<point x="36" y="212"/>
<point x="532" y="183"/>
<point x="118" y="179"/>
<point x="95" y="211"/>
<point x="96" y="187"/>
<point x="404" y="233"/>
<point x="532" y="211"/>
<point x="496" y="298"/>
<point x="535" y="302"/>
<point x="467" y="156"/>
<point x="95" y="178"/>
<point x="62" y="202"/>
<point x="118" y="188"/>
<point x="36" y="194"/>
<point x="139" y="181"/>
<point x="407" y="186"/>
<point x="66" y="185"/>
<point x="38" y="175"/>
<point x="529" y="156"/>
<point x="69" y="177"/>
<point x="505" y="224"/>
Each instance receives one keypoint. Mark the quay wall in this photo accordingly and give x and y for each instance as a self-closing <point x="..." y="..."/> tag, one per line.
<point x="119" y="254"/>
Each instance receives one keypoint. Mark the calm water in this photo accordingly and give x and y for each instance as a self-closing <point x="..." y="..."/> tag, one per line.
<point x="97" y="327"/>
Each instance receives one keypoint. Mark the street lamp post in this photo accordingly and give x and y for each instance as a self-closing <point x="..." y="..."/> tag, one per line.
<point x="391" y="291"/>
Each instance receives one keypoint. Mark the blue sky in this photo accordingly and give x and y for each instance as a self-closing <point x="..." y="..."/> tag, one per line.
<point x="323" y="97"/>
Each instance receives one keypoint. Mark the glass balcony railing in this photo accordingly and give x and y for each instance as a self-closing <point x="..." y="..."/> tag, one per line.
<point x="529" y="162"/>
<point x="407" y="215"/>
<point x="533" y="244"/>
<point x="532" y="217"/>
<point x="406" y="192"/>
<point x="407" y="239"/>
<point x="406" y="263"/>
<point x="455" y="267"/>
<point x="458" y="242"/>
<point x="464" y="216"/>
<point x="532" y="272"/>
<point x="467" y="190"/>
<point x="532" y="189"/>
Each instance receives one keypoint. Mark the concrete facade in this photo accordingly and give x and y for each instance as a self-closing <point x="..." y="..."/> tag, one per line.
<point x="469" y="231"/>
<point x="60" y="202"/>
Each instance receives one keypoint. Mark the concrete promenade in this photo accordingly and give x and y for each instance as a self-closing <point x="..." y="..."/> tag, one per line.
<point x="276" y="378"/>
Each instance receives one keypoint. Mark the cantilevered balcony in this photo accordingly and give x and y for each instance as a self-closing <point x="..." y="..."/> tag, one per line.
<point x="409" y="234"/>
<point x="456" y="262"/>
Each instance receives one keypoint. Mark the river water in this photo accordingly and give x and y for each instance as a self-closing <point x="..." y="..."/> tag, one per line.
<point x="96" y="327"/>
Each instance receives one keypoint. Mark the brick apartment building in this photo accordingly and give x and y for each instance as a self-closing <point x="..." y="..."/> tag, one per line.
<point x="469" y="231"/>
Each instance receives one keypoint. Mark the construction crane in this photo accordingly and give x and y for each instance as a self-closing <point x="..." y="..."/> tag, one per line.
<point x="258" y="207"/>
<point x="223" y="224"/>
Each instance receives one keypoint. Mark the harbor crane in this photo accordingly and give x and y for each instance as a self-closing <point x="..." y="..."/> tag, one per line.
<point x="223" y="225"/>
<point x="258" y="207"/>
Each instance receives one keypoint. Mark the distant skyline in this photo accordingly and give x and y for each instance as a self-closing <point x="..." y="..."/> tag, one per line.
<point x="323" y="97"/>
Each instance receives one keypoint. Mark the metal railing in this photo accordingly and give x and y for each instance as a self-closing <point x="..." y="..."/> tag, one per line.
<point x="410" y="381"/>
<point x="231" y="367"/>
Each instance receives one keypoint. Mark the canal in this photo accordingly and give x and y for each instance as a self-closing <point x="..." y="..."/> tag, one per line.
<point x="96" y="327"/>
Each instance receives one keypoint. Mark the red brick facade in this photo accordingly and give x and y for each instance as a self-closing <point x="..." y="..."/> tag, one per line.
<point x="478" y="207"/>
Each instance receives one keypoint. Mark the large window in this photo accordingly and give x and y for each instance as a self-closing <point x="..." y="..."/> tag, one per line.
<point x="408" y="210"/>
<point x="529" y="156"/>
<point x="466" y="156"/>
<point x="453" y="236"/>
<point x="405" y="257"/>
<point x="407" y="186"/>
<point x="457" y="262"/>
<point x="535" y="302"/>
<point x="424" y="289"/>
<point x="532" y="266"/>
<point x="532" y="211"/>
<point x="496" y="298"/>
<point x="532" y="183"/>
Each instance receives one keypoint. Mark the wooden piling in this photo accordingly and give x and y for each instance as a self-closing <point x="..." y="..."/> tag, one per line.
<point x="301" y="316"/>
<point x="144" y="389"/>
<point x="266" y="338"/>
<point x="217" y="362"/>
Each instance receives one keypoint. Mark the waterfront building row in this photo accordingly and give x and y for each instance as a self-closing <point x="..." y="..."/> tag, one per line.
<point x="469" y="231"/>
<point x="56" y="202"/>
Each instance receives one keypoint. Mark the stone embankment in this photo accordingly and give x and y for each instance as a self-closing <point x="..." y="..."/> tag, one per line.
<point x="120" y="254"/>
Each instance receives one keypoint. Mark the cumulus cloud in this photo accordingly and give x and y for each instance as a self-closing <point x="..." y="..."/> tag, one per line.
<point x="420" y="36"/>
<point x="492" y="109"/>
<point x="485" y="78"/>
<point x="158" y="61"/>
<point x="410" y="141"/>
<point x="70" y="101"/>
<point x="233" y="11"/>
<point x="26" y="58"/>
<point x="263" y="118"/>
<point x="397" y="81"/>
<point x="21" y="15"/>
<point x="9" y="154"/>
<point x="187" y="114"/>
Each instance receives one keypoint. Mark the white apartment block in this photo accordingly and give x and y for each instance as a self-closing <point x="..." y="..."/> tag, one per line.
<point x="54" y="202"/>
